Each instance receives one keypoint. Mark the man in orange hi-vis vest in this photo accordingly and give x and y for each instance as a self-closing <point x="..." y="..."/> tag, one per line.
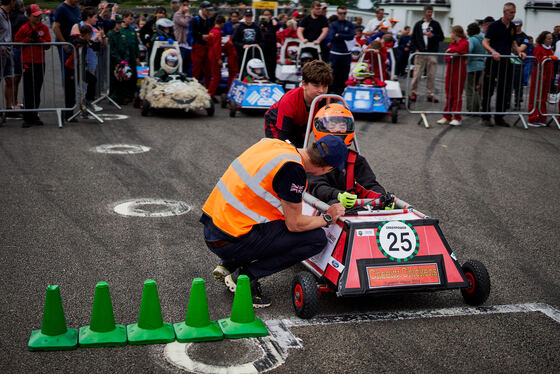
<point x="252" y="218"/>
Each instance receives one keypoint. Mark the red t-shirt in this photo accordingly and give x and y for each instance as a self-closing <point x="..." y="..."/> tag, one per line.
<point x="287" y="118"/>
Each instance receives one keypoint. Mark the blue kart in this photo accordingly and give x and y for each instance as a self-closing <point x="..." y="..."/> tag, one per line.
<point x="258" y="93"/>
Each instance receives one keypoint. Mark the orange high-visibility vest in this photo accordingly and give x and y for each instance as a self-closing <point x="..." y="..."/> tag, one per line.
<point x="244" y="196"/>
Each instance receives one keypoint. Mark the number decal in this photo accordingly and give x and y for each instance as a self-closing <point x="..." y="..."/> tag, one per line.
<point x="397" y="240"/>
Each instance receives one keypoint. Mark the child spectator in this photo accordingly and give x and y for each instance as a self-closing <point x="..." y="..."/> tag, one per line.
<point x="542" y="51"/>
<point x="377" y="59"/>
<point x="33" y="60"/>
<point x="455" y="77"/>
<point x="214" y="44"/>
<point x="289" y="32"/>
<point x="360" y="39"/>
<point x="404" y="48"/>
<point x="80" y="41"/>
<point x="475" y="68"/>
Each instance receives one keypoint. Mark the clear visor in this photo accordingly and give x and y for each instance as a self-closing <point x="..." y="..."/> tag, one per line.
<point x="258" y="71"/>
<point x="171" y="61"/>
<point x="340" y="125"/>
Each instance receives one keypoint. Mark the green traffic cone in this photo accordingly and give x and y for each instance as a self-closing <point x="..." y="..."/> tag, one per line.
<point x="242" y="322"/>
<point x="150" y="328"/>
<point x="102" y="331"/>
<point x="53" y="335"/>
<point x="197" y="326"/>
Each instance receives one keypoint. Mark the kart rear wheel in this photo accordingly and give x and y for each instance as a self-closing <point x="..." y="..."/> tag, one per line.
<point x="223" y="101"/>
<point x="145" y="108"/>
<point x="394" y="113"/>
<point x="232" y="108"/>
<point x="305" y="295"/>
<point x="479" y="288"/>
<point x="211" y="110"/>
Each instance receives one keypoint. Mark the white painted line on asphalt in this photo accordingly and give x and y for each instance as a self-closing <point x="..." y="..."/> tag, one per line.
<point x="110" y="116"/>
<point x="151" y="208"/>
<point x="280" y="328"/>
<point x="120" y="149"/>
<point x="275" y="347"/>
<point x="271" y="357"/>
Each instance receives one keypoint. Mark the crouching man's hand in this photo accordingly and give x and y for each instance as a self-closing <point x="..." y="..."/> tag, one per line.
<point x="336" y="211"/>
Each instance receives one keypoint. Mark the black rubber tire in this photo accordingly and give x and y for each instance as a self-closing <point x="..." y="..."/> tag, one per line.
<point x="210" y="111"/>
<point x="232" y="109"/>
<point x="145" y="110"/>
<point x="394" y="113"/>
<point x="223" y="100"/>
<point x="305" y="295"/>
<point x="478" y="293"/>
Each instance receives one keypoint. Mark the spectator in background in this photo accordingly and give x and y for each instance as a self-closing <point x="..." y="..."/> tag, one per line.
<point x="359" y="36"/>
<point x="554" y="94"/>
<point x="282" y="19"/>
<point x="149" y="28"/>
<point x="66" y="16"/>
<point x="487" y="21"/>
<point x="119" y="53"/>
<point x="426" y="36"/>
<point x="404" y="48"/>
<point x="289" y="32"/>
<point x="181" y="20"/>
<point x="33" y="59"/>
<point x="269" y="26"/>
<point x="313" y="28"/>
<point x="199" y="28"/>
<point x="247" y="33"/>
<point x="175" y="5"/>
<point x="231" y="24"/>
<point x="129" y="39"/>
<point x="359" y="23"/>
<point x="17" y="19"/>
<point x="394" y="29"/>
<point x="522" y="41"/>
<point x="555" y="37"/>
<point x="499" y="40"/>
<point x="372" y="27"/>
<point x="107" y="15"/>
<point x="297" y="16"/>
<point x="475" y="67"/>
<point x="455" y="77"/>
<point x="215" y="56"/>
<point x="528" y="65"/>
<point x="71" y="66"/>
<point x="542" y="51"/>
<point x="341" y="35"/>
<point x="7" y="54"/>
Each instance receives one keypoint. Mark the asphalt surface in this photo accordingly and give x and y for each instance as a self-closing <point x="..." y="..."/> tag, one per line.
<point x="495" y="191"/>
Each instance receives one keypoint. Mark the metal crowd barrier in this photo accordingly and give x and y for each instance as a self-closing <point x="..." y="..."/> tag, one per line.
<point x="550" y="85"/>
<point x="103" y="75"/>
<point x="52" y="93"/>
<point x="501" y="88"/>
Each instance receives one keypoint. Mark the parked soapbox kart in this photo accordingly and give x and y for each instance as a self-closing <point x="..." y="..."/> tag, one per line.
<point x="258" y="94"/>
<point x="367" y="97"/>
<point x="176" y="93"/>
<point x="371" y="250"/>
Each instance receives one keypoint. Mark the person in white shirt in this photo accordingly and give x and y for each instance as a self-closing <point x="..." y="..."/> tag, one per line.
<point x="373" y="25"/>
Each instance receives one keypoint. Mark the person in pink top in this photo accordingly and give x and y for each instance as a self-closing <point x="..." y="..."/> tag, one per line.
<point x="542" y="51"/>
<point x="455" y="76"/>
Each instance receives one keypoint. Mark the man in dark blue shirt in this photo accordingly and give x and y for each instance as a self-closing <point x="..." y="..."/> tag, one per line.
<point x="67" y="15"/>
<point x="499" y="40"/>
<point x="341" y="33"/>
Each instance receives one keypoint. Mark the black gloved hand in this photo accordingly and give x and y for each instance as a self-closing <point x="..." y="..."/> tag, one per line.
<point x="387" y="199"/>
<point x="34" y="37"/>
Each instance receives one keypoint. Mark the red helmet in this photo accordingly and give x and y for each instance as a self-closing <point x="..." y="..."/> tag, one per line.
<point x="334" y="119"/>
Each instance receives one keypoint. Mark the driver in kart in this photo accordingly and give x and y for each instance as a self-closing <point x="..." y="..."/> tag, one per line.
<point x="287" y="118"/>
<point x="358" y="179"/>
<point x="169" y="67"/>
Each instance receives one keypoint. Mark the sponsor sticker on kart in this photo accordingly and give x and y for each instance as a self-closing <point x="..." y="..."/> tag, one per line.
<point x="397" y="240"/>
<point x="403" y="275"/>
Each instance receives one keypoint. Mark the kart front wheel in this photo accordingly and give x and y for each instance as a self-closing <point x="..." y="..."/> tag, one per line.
<point x="223" y="101"/>
<point x="394" y="113"/>
<point x="479" y="283"/>
<point x="232" y="108"/>
<point x="305" y="295"/>
<point x="145" y="108"/>
<point x="210" y="111"/>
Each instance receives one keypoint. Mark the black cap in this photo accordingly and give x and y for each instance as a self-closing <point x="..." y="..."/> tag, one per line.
<point x="248" y="13"/>
<point x="206" y="5"/>
<point x="488" y="19"/>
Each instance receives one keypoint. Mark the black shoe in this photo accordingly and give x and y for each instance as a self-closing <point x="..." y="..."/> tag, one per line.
<point x="26" y="124"/>
<point x="501" y="122"/>
<point x="433" y="99"/>
<point x="259" y="300"/>
<point x="487" y="123"/>
<point x="38" y="122"/>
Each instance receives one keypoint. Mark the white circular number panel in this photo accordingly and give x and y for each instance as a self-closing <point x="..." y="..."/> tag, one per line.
<point x="398" y="241"/>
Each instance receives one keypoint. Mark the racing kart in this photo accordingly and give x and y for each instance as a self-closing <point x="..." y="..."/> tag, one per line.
<point x="177" y="92"/>
<point x="372" y="251"/>
<point x="258" y="94"/>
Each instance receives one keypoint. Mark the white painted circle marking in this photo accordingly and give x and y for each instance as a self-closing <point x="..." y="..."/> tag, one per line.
<point x="397" y="239"/>
<point x="151" y="208"/>
<point x="109" y="116"/>
<point x="177" y="354"/>
<point x="120" y="149"/>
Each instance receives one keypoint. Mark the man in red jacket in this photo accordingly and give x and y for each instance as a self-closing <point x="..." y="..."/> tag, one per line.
<point x="33" y="60"/>
<point x="214" y="45"/>
<point x="287" y="118"/>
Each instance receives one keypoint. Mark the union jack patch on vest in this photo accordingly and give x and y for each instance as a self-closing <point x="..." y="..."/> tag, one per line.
<point x="297" y="189"/>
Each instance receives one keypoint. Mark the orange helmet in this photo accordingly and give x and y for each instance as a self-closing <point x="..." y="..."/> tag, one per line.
<point x="334" y="119"/>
